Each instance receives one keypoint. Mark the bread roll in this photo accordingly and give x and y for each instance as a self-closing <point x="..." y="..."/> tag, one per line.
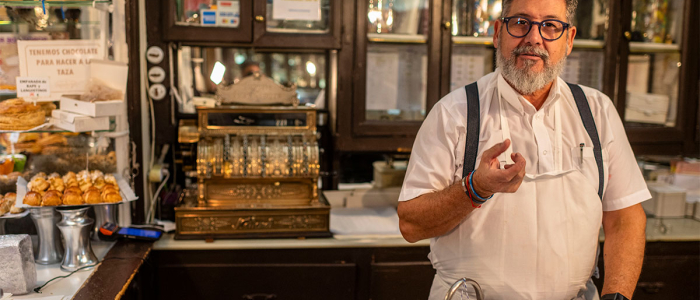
<point x="38" y="184"/>
<point x="111" y="197"/>
<point x="51" y="198"/>
<point x="73" y="189"/>
<point x="5" y="206"/>
<point x="73" y="198"/>
<point x="92" y="196"/>
<point x="11" y="199"/>
<point x="110" y="179"/>
<point x="56" y="183"/>
<point x="99" y="183"/>
<point x="32" y="198"/>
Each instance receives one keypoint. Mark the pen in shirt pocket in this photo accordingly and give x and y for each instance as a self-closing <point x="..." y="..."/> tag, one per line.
<point x="581" y="145"/>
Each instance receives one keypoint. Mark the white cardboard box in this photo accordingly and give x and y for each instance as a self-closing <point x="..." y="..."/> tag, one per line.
<point x="666" y="201"/>
<point x="78" y="123"/>
<point x="71" y="103"/>
<point x="114" y="75"/>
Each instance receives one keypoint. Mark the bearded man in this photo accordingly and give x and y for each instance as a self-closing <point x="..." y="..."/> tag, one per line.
<point x="554" y="163"/>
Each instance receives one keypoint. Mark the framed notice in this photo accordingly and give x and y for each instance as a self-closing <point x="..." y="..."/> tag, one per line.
<point x="304" y="10"/>
<point x="65" y="62"/>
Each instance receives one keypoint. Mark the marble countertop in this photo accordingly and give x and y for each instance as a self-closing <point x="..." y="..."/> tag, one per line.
<point x="64" y="288"/>
<point x="658" y="230"/>
<point x="168" y="242"/>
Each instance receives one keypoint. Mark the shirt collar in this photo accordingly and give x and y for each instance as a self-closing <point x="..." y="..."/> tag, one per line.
<point x="516" y="100"/>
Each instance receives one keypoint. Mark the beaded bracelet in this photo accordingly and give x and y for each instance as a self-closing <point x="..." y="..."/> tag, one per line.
<point x="471" y="187"/>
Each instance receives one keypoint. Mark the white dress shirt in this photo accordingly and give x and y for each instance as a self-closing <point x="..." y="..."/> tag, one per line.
<point x="438" y="151"/>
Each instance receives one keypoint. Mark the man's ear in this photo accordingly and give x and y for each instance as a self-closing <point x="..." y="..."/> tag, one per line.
<point x="570" y="42"/>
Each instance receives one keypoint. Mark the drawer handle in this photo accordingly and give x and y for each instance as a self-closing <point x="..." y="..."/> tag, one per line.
<point x="260" y="297"/>
<point x="651" y="287"/>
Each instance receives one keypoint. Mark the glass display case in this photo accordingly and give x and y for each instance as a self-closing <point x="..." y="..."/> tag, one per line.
<point x="23" y="21"/>
<point x="49" y="151"/>
<point x="654" y="63"/>
<point x="268" y="23"/>
<point x="634" y="50"/>
<point x="397" y="79"/>
<point x="397" y="60"/>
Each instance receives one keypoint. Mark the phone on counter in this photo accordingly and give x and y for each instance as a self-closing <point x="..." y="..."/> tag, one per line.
<point x="110" y="231"/>
<point x="140" y="233"/>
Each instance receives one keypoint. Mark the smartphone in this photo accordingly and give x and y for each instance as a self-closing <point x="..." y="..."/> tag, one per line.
<point x="140" y="234"/>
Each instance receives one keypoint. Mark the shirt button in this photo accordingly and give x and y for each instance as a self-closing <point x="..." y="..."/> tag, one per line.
<point x="544" y="152"/>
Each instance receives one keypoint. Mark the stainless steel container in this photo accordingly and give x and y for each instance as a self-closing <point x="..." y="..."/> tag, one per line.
<point x="104" y="214"/>
<point x="50" y="249"/>
<point x="76" y="227"/>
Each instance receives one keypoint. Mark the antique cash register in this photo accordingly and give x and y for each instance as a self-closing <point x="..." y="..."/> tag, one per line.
<point x="257" y="167"/>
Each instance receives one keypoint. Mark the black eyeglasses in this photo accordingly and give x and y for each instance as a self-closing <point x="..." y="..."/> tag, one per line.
<point x="550" y="30"/>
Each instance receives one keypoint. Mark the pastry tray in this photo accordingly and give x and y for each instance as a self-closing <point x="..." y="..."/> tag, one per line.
<point x="15" y="216"/>
<point x="125" y="190"/>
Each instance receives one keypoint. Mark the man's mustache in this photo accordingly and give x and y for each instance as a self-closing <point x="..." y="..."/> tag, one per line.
<point x="532" y="50"/>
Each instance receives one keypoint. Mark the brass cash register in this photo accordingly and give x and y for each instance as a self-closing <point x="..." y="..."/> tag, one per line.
<point x="257" y="167"/>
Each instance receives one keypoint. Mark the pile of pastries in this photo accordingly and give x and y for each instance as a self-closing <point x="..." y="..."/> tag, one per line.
<point x="17" y="114"/>
<point x="35" y="143"/>
<point x="72" y="189"/>
<point x="7" y="204"/>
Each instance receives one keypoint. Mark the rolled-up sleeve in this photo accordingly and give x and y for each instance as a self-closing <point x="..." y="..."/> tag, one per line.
<point x="432" y="162"/>
<point x="626" y="185"/>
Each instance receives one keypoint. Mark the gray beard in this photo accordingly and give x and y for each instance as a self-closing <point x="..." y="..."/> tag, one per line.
<point x="523" y="80"/>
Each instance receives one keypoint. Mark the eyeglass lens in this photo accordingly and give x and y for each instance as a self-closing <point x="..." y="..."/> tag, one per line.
<point x="549" y="29"/>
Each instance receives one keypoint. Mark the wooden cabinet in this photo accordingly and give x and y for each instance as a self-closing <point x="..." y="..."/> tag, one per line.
<point x="183" y="21"/>
<point x="344" y="273"/>
<point x="402" y="68"/>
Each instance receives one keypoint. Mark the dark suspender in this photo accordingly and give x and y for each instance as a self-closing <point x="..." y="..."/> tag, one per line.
<point x="587" y="117"/>
<point x="471" y="146"/>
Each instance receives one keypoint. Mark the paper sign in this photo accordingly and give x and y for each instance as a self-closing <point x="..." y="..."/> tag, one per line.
<point x="305" y="10"/>
<point x="66" y="62"/>
<point x="33" y="87"/>
<point x="14" y="137"/>
<point x="228" y="14"/>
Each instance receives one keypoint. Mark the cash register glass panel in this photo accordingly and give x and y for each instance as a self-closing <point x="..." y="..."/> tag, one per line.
<point x="256" y="119"/>
<point x="199" y="75"/>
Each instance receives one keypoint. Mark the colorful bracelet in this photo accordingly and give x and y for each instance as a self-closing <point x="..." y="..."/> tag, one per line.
<point x="469" y="193"/>
<point x="471" y="186"/>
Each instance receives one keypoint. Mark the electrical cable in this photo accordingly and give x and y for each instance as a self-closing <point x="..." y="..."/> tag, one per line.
<point x="38" y="289"/>
<point x="151" y="211"/>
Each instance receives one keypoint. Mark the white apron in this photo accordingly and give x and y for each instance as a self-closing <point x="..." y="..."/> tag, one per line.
<point x="537" y="243"/>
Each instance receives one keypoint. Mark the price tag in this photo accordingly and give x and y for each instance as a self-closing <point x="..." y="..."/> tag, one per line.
<point x="14" y="137"/>
<point x="33" y="87"/>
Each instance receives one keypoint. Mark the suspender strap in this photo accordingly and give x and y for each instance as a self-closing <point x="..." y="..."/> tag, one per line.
<point x="471" y="146"/>
<point x="587" y="117"/>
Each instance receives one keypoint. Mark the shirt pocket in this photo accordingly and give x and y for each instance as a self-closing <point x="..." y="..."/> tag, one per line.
<point x="583" y="160"/>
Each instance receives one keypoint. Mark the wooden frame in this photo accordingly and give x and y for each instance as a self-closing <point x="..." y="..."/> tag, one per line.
<point x="370" y="128"/>
<point x="133" y="98"/>
<point x="252" y="30"/>
<point x="677" y="140"/>
<point x="263" y="38"/>
<point x="182" y="33"/>
<point x="366" y="135"/>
